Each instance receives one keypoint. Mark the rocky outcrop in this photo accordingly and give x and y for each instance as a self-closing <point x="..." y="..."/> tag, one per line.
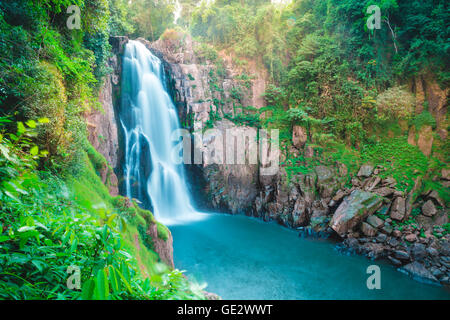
<point x="299" y="136"/>
<point x="102" y="122"/>
<point x="419" y="272"/>
<point x="164" y="247"/>
<point x="428" y="91"/>
<point x="372" y="217"/>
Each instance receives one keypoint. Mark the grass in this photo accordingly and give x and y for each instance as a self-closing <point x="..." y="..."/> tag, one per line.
<point x="401" y="160"/>
<point x="90" y="193"/>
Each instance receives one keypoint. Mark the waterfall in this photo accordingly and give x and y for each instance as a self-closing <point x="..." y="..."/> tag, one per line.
<point x="148" y="118"/>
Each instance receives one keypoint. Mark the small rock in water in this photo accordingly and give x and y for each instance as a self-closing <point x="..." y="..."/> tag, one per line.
<point x="394" y="261"/>
<point x="402" y="255"/>
<point x="418" y="272"/>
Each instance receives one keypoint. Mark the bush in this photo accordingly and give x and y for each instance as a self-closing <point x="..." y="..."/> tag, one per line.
<point x="395" y="102"/>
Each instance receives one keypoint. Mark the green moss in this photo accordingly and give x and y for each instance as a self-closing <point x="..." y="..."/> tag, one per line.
<point x="97" y="159"/>
<point x="147" y="240"/>
<point x="89" y="190"/>
<point x="163" y="232"/>
<point x="401" y="160"/>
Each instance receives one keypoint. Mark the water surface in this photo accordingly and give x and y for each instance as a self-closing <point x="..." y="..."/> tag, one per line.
<point x="245" y="258"/>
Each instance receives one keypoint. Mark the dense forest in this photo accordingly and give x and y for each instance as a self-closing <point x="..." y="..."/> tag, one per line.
<point x="356" y="91"/>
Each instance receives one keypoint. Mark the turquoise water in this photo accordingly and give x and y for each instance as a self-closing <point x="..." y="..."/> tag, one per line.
<point x="244" y="258"/>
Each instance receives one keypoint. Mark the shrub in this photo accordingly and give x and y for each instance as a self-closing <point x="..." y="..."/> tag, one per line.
<point x="395" y="102"/>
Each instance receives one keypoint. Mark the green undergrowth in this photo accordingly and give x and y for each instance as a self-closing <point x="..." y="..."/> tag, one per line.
<point x="400" y="160"/>
<point x="51" y="226"/>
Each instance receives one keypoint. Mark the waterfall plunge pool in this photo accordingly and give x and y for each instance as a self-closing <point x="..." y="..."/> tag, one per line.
<point x="245" y="258"/>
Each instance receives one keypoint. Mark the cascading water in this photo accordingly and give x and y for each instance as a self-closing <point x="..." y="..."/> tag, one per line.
<point x="148" y="118"/>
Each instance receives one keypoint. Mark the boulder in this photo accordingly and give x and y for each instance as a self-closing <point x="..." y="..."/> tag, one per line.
<point x="381" y="237"/>
<point x="425" y="141"/>
<point x="387" y="229"/>
<point x="368" y="230"/>
<point x="428" y="209"/>
<point x="411" y="237"/>
<point x="309" y="152"/>
<point x="299" y="215"/>
<point x="389" y="181"/>
<point x="370" y="183"/>
<point x="434" y="195"/>
<point x="365" y="170"/>
<point x="432" y="251"/>
<point x="418" y="272"/>
<point x="299" y="136"/>
<point x="397" y="233"/>
<point x="384" y="191"/>
<point x="374" y="221"/>
<point x="398" y="209"/>
<point x="354" y="209"/>
<point x="445" y="174"/>
<point x="401" y="255"/>
<point x="327" y="183"/>
<point x="418" y="251"/>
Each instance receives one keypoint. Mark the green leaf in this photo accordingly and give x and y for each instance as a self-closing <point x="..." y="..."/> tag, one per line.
<point x="31" y="123"/>
<point x="101" y="285"/>
<point x="43" y="120"/>
<point x="74" y="245"/>
<point x="20" y="127"/>
<point x="125" y="281"/>
<point x="25" y="229"/>
<point x="39" y="264"/>
<point x="111" y="219"/>
<point x="115" y="283"/>
<point x="34" y="150"/>
<point x="88" y="290"/>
